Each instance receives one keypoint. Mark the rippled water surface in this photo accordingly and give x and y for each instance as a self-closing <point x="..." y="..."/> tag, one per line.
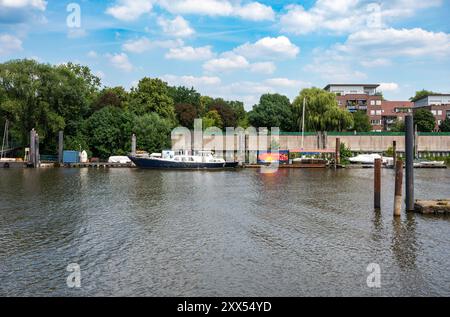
<point x="153" y="233"/>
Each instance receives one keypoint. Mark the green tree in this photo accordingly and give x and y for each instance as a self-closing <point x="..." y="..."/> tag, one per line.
<point x="361" y="122"/>
<point x="47" y="98"/>
<point x="153" y="132"/>
<point x="184" y="95"/>
<point x="273" y="110"/>
<point x="116" y="97"/>
<point x="152" y="95"/>
<point x="424" y="120"/>
<point x="212" y="119"/>
<point x="109" y="131"/>
<point x="345" y="153"/>
<point x="226" y="112"/>
<point x="186" y="114"/>
<point x="445" y="125"/>
<point x="398" y="126"/>
<point x="421" y="94"/>
<point x="241" y="114"/>
<point x="322" y="111"/>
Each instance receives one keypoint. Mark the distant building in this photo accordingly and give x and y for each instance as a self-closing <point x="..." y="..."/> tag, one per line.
<point x="438" y="104"/>
<point x="365" y="97"/>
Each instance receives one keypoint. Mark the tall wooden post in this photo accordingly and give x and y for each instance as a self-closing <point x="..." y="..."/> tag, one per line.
<point x="337" y="160"/>
<point x="33" y="148"/>
<point x="377" y="184"/>
<point x="60" y="147"/>
<point x="394" y="148"/>
<point x="409" y="142"/>
<point x="398" y="188"/>
<point x="37" y="158"/>
<point x="133" y="145"/>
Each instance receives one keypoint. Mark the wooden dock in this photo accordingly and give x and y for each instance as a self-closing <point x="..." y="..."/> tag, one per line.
<point x="430" y="207"/>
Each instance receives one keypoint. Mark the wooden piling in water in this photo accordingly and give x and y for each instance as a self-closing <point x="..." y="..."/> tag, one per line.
<point x="377" y="184"/>
<point x="409" y="144"/>
<point x="398" y="188"/>
<point x="337" y="159"/>
<point x="394" y="148"/>
<point x="60" y="148"/>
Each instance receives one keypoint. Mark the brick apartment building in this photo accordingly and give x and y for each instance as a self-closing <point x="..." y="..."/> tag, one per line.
<point x="363" y="97"/>
<point x="438" y="104"/>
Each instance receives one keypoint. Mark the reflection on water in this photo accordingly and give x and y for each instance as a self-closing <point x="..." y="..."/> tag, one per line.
<point x="229" y="233"/>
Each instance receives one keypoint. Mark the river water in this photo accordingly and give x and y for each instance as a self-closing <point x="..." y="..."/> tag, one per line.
<point x="228" y="233"/>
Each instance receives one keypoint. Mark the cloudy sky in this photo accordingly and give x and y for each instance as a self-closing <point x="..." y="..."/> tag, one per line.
<point x="239" y="49"/>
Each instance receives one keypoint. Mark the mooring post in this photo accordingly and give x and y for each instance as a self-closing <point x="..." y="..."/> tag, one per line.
<point x="33" y="148"/>
<point x="133" y="144"/>
<point x="37" y="158"/>
<point x="409" y="149"/>
<point x="398" y="188"/>
<point x="394" y="148"/>
<point x="60" y="147"/>
<point x="337" y="159"/>
<point x="377" y="185"/>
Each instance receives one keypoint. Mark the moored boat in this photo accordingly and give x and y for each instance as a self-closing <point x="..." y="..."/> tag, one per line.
<point x="181" y="160"/>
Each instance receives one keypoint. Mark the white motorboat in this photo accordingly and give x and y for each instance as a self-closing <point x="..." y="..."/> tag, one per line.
<point x="369" y="159"/>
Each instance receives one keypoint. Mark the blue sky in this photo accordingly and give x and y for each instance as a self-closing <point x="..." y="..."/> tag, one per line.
<point x="240" y="49"/>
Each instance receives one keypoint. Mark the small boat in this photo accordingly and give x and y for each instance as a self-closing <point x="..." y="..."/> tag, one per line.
<point x="368" y="159"/>
<point x="429" y="164"/>
<point x="180" y="160"/>
<point x="310" y="162"/>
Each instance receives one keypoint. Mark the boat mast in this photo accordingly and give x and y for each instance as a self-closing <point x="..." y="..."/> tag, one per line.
<point x="5" y="138"/>
<point x="303" y="122"/>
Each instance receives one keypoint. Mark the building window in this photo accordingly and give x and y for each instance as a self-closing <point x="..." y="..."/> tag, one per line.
<point x="375" y="122"/>
<point x="378" y="102"/>
<point x="372" y="102"/>
<point x="439" y="112"/>
<point x="372" y="112"/>
<point x="433" y="112"/>
<point x="378" y="112"/>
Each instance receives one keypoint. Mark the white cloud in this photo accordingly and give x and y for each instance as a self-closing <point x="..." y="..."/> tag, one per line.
<point x="92" y="54"/>
<point x="286" y="83"/>
<point x="263" y="68"/>
<point x="130" y="10"/>
<point x="346" y="16"/>
<point x="191" y="81"/>
<point x="144" y="44"/>
<point x="121" y="62"/>
<point x="178" y="27"/>
<point x="20" y="11"/>
<point x="188" y="53"/>
<point x="253" y="11"/>
<point x="269" y="47"/>
<point x="226" y="62"/>
<point x="9" y="44"/>
<point x="330" y="15"/>
<point x="334" y="71"/>
<point x="398" y="42"/>
<point x="375" y="62"/>
<point x="388" y="86"/>
<point x="19" y="4"/>
<point x="75" y="33"/>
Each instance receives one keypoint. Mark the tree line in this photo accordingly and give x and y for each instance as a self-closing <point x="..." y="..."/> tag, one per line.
<point x="100" y="119"/>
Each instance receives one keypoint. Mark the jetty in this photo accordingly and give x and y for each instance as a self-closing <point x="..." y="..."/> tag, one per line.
<point x="432" y="207"/>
